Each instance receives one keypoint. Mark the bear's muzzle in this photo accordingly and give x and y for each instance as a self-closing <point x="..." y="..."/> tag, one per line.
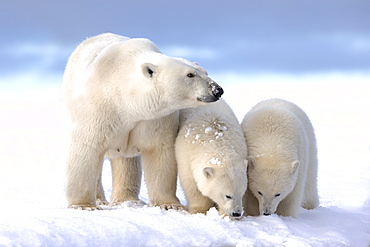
<point x="216" y="90"/>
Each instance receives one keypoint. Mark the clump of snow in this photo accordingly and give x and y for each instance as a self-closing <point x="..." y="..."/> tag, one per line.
<point x="215" y="161"/>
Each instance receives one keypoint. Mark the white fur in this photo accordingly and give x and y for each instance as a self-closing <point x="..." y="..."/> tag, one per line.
<point x="121" y="97"/>
<point x="282" y="152"/>
<point x="211" y="155"/>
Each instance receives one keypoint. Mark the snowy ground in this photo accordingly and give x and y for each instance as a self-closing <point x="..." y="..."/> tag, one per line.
<point x="33" y="209"/>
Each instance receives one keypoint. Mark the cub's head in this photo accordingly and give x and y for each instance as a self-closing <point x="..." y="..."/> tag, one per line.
<point x="225" y="184"/>
<point x="271" y="181"/>
<point x="180" y="82"/>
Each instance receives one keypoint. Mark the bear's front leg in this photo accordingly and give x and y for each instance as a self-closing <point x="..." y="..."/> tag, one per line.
<point x="290" y="205"/>
<point x="126" y="175"/>
<point x="160" y="172"/>
<point x="84" y="165"/>
<point x="250" y="204"/>
<point x="197" y="203"/>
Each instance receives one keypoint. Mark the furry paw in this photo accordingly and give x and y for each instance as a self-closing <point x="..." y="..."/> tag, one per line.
<point x="85" y="207"/>
<point x="178" y="207"/>
<point x="130" y="203"/>
<point x="101" y="202"/>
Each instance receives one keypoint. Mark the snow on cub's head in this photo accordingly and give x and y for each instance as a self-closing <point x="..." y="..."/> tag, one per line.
<point x="225" y="183"/>
<point x="271" y="180"/>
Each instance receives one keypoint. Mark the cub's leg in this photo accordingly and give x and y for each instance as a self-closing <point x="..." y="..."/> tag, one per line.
<point x="311" y="197"/>
<point x="250" y="204"/>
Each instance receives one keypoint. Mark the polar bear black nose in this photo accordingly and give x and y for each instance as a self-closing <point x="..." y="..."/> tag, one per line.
<point x="217" y="91"/>
<point x="236" y="215"/>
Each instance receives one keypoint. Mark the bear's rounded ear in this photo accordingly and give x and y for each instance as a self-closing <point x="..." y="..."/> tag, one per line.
<point x="208" y="172"/>
<point x="148" y="69"/>
<point x="251" y="161"/>
<point x="246" y="163"/>
<point x="294" y="166"/>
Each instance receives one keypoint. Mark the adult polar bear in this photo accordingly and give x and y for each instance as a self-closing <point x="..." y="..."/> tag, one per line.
<point x="121" y="97"/>
<point x="282" y="152"/>
<point x="212" y="159"/>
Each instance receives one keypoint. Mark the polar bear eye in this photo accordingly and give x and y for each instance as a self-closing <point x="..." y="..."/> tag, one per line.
<point x="190" y="75"/>
<point x="277" y="195"/>
<point x="259" y="192"/>
<point x="228" y="197"/>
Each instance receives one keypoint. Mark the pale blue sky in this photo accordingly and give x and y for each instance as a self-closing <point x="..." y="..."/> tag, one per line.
<point x="256" y="36"/>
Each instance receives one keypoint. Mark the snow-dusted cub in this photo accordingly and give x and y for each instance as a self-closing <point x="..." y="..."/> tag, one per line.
<point x="212" y="159"/>
<point x="282" y="158"/>
<point x="122" y="98"/>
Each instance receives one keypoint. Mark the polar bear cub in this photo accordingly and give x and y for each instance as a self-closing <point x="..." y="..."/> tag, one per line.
<point x="121" y="99"/>
<point x="282" y="150"/>
<point x="212" y="159"/>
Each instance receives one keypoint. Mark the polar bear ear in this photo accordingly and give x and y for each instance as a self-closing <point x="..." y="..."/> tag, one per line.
<point x="148" y="69"/>
<point x="295" y="165"/>
<point x="251" y="161"/>
<point x="208" y="172"/>
<point x="246" y="163"/>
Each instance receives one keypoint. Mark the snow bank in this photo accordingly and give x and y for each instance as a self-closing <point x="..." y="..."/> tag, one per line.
<point x="33" y="209"/>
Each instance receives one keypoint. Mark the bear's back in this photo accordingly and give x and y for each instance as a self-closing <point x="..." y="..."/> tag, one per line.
<point x="297" y="112"/>
<point x="284" y="105"/>
<point x="90" y="49"/>
<point x="214" y="125"/>
<point x="220" y="109"/>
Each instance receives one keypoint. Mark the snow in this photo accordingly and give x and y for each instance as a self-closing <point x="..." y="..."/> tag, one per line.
<point x="33" y="208"/>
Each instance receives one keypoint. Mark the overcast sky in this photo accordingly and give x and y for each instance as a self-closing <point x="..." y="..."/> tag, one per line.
<point x="253" y="36"/>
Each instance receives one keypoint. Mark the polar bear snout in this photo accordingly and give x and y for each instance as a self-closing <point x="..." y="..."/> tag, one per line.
<point x="216" y="92"/>
<point x="267" y="212"/>
<point x="236" y="214"/>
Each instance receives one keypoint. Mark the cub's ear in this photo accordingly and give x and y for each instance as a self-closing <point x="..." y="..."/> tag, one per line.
<point x="246" y="163"/>
<point x="148" y="69"/>
<point x="208" y="172"/>
<point x="251" y="162"/>
<point x="294" y="166"/>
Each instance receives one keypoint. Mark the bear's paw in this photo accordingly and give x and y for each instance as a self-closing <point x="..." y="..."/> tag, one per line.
<point x="177" y="207"/>
<point x="86" y="207"/>
<point x="129" y="203"/>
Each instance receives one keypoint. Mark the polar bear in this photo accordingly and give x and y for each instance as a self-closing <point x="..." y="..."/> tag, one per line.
<point x="282" y="159"/>
<point x="121" y="99"/>
<point x="212" y="159"/>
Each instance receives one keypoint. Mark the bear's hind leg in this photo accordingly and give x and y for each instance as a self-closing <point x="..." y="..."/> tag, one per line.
<point x="83" y="171"/>
<point x="100" y="196"/>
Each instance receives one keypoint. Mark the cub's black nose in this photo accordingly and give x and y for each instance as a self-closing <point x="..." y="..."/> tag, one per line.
<point x="266" y="214"/>
<point x="236" y="215"/>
